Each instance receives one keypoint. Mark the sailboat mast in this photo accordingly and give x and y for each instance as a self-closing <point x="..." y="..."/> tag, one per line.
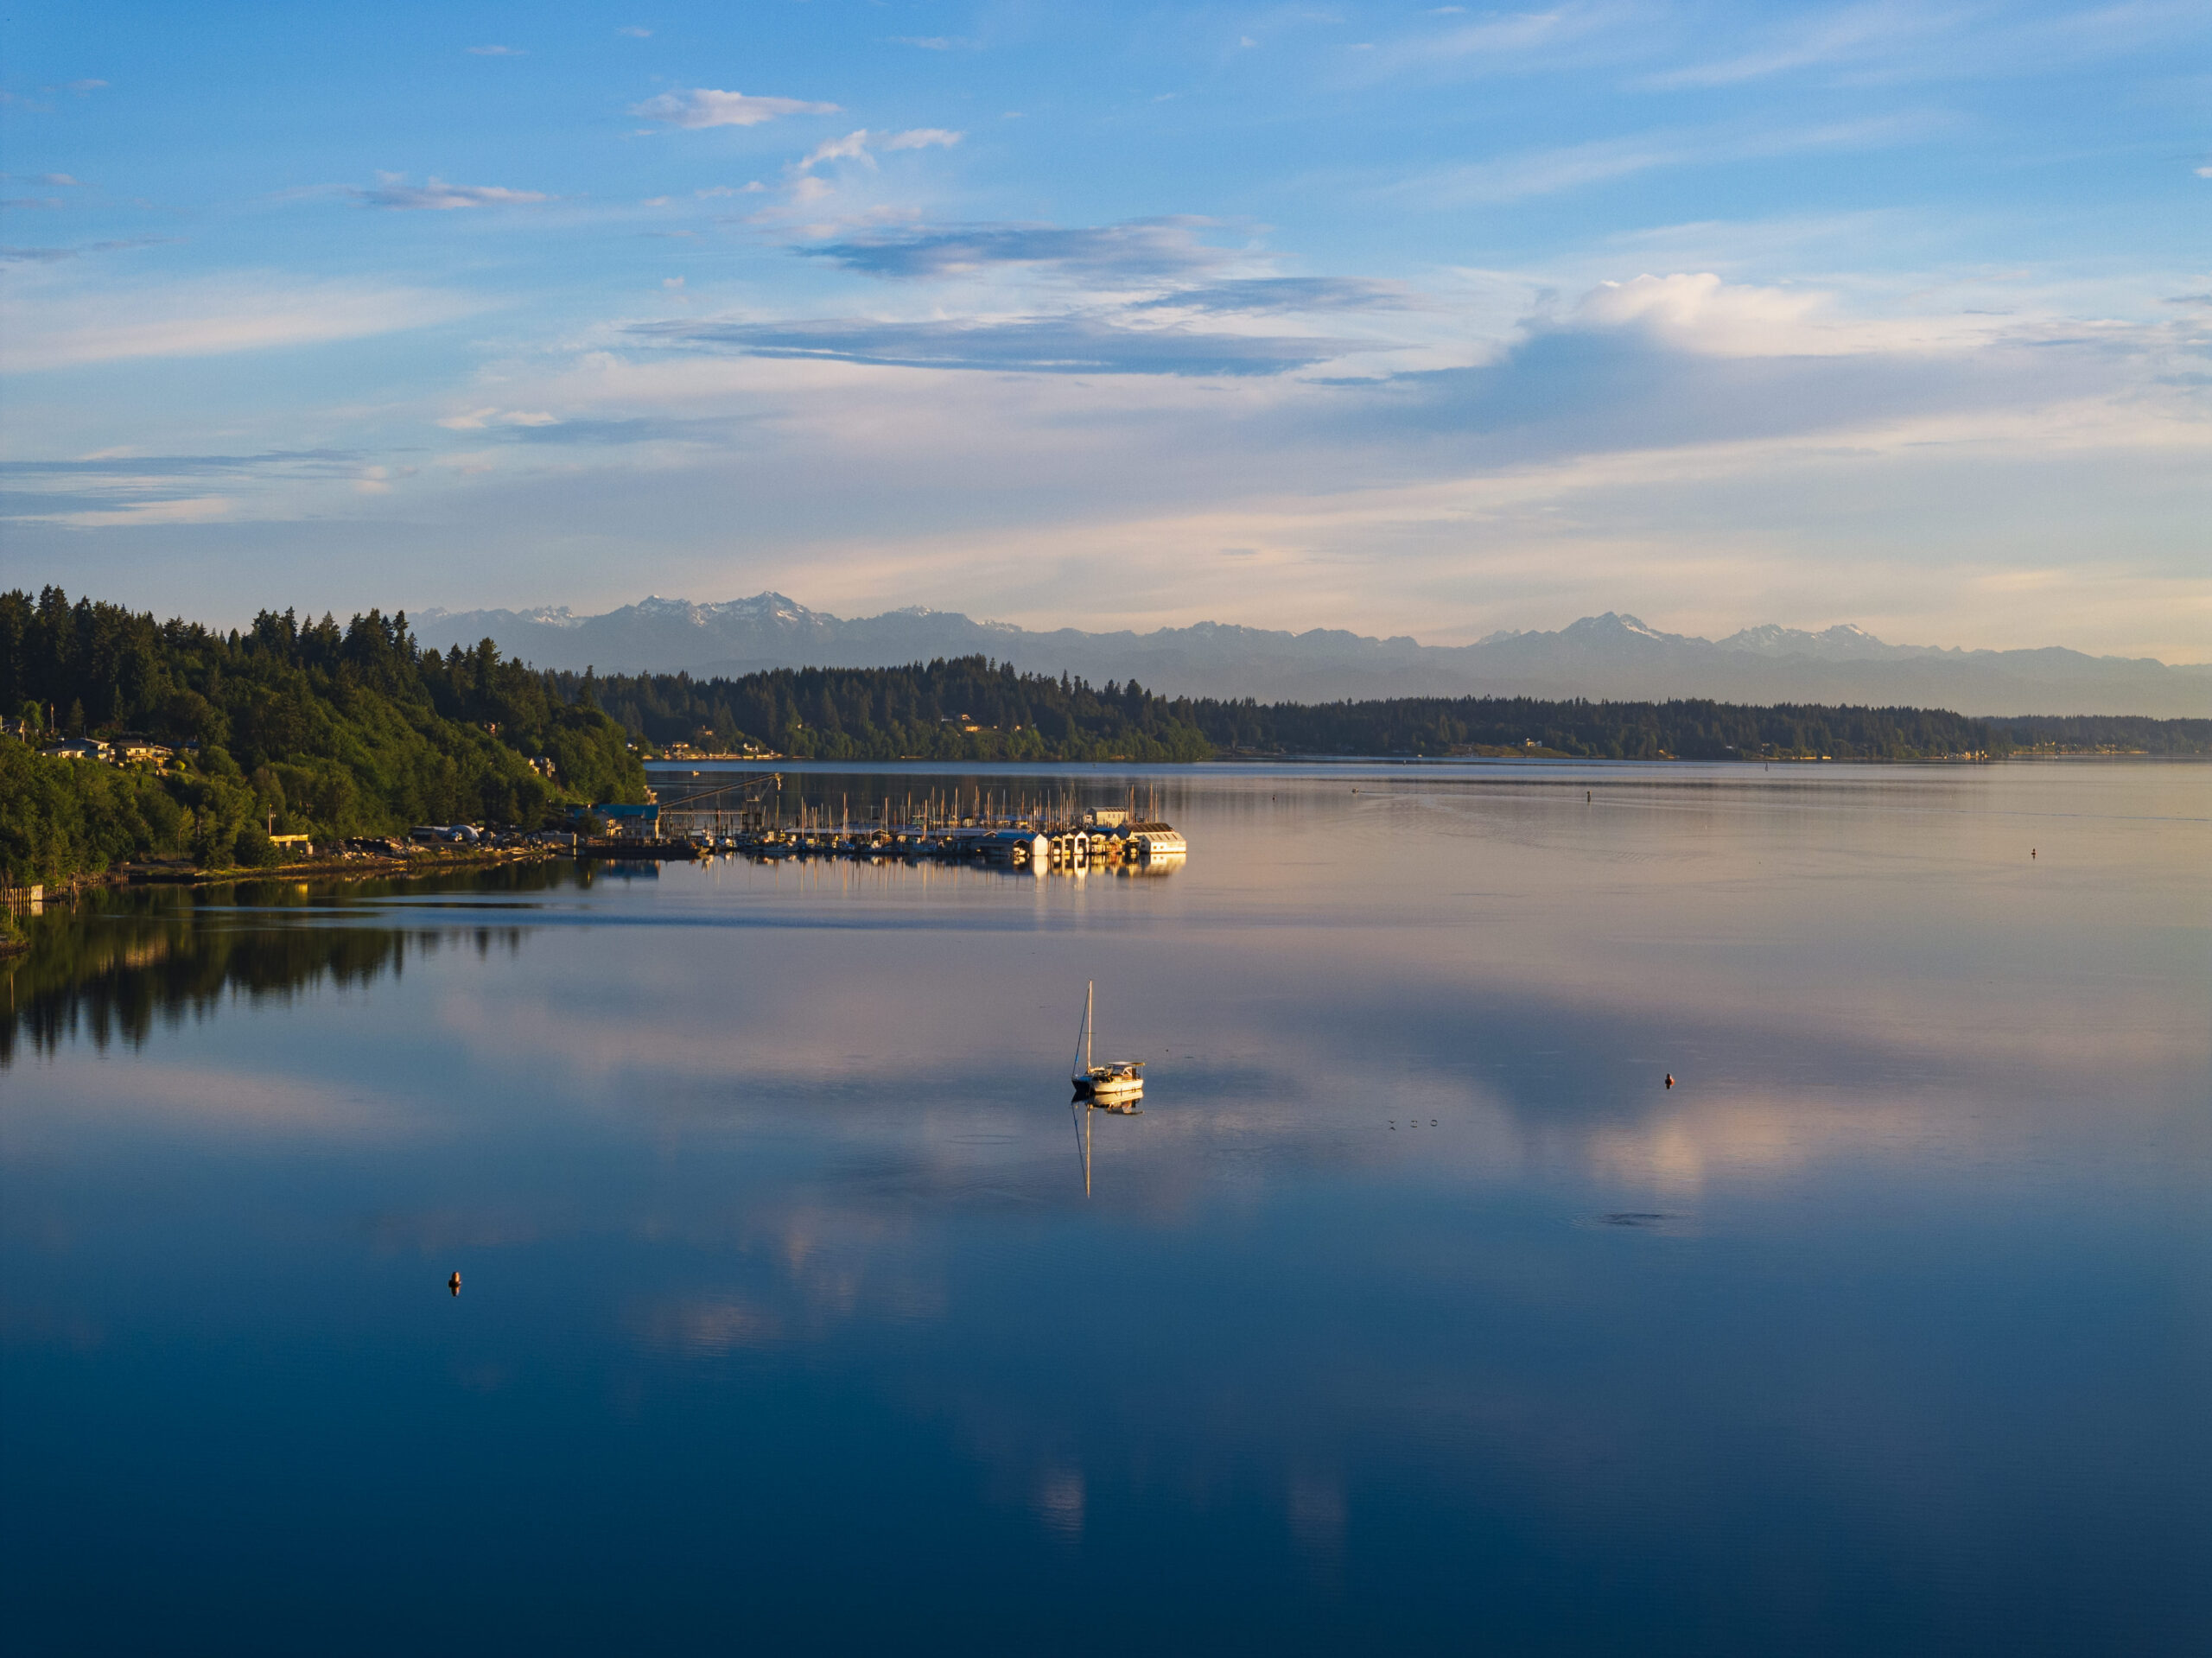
<point x="1090" y="989"/>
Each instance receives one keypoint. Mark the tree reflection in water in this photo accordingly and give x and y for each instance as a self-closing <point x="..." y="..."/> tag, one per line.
<point x="115" y="962"/>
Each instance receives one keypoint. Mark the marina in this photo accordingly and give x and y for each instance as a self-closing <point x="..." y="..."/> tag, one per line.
<point x="746" y="816"/>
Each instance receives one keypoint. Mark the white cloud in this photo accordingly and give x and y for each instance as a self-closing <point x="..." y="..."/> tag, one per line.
<point x="1700" y="312"/>
<point x="703" y="107"/>
<point x="923" y="138"/>
<point x="852" y="147"/>
<point x="209" y="318"/>
<point x="635" y="33"/>
<point x="497" y="52"/>
<point x="392" y="191"/>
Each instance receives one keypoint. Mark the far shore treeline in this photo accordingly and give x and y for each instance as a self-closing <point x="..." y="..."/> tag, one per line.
<point x="972" y="709"/>
<point x="326" y="730"/>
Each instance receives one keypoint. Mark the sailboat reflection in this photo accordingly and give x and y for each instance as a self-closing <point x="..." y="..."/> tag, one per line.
<point x="1082" y="1111"/>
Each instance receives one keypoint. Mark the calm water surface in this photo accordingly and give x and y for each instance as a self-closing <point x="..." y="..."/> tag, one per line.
<point x="1414" y="1314"/>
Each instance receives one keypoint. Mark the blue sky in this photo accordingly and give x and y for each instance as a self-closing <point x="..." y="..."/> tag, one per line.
<point x="1426" y="320"/>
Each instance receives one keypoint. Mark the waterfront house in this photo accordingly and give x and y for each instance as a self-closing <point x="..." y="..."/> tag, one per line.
<point x="77" y="748"/>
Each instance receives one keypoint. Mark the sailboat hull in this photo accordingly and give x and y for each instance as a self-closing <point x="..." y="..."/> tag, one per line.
<point x="1109" y="1088"/>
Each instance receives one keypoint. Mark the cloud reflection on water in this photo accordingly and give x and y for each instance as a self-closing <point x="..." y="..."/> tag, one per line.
<point x="1923" y="1185"/>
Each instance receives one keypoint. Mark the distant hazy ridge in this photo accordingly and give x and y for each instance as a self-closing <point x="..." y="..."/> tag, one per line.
<point x="1610" y="656"/>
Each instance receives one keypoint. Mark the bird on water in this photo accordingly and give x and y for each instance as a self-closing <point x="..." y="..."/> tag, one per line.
<point x="454" y="1283"/>
<point x="1670" y="1083"/>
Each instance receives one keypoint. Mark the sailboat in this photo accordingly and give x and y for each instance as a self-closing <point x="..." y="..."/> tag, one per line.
<point x="1117" y="1086"/>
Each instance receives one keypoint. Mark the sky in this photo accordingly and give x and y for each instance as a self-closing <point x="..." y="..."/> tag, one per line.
<point x="1427" y="321"/>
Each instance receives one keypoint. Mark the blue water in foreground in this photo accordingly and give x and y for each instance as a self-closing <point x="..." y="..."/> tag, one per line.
<point x="1413" y="1315"/>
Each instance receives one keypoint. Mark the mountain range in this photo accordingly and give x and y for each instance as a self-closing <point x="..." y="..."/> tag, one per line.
<point x="1611" y="656"/>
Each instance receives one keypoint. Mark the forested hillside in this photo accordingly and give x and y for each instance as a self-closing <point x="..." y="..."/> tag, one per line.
<point x="335" y="731"/>
<point x="1633" y="731"/>
<point x="970" y="708"/>
<point x="967" y="709"/>
<point x="2101" y="733"/>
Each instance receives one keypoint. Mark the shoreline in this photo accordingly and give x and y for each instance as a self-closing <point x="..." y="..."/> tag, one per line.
<point x="358" y="868"/>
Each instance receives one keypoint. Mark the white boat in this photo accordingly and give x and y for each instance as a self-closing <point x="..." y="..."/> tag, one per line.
<point x="1117" y="1086"/>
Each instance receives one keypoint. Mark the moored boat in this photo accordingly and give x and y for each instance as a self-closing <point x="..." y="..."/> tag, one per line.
<point x="1116" y="1085"/>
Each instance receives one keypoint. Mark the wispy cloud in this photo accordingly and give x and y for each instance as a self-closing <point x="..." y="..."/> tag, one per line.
<point x="1254" y="295"/>
<point x="1510" y="42"/>
<point x="497" y="52"/>
<point x="183" y="466"/>
<point x="209" y="318"/>
<point x="1145" y="250"/>
<point x="704" y="107"/>
<point x="1544" y="172"/>
<point x="392" y="191"/>
<point x="476" y="420"/>
<point x="54" y="256"/>
<point x="1852" y="34"/>
<point x="192" y="509"/>
<point x="634" y="32"/>
<point x="1888" y="40"/>
<point x="1054" y="345"/>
